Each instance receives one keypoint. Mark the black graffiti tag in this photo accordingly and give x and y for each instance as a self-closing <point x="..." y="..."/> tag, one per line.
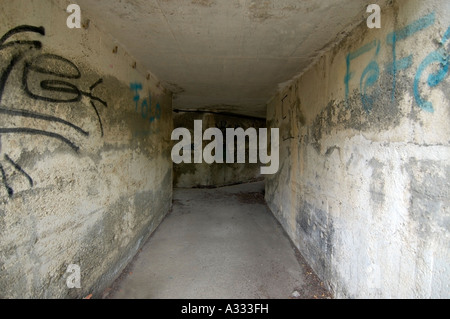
<point x="56" y="89"/>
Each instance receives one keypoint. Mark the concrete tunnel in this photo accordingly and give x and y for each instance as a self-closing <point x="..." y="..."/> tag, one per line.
<point x="92" y="204"/>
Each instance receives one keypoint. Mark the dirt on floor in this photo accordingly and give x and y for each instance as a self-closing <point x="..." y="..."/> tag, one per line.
<point x="317" y="288"/>
<point x="311" y="288"/>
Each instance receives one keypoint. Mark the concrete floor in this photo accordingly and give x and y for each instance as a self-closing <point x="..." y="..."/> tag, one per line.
<point x="220" y="244"/>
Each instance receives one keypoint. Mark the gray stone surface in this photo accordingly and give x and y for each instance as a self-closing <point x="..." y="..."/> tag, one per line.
<point x="85" y="178"/>
<point x="218" y="243"/>
<point x="364" y="179"/>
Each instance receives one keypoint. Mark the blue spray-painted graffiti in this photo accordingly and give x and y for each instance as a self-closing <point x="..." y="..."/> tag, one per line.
<point x="403" y="34"/>
<point x="145" y="104"/>
<point x="136" y="87"/>
<point x="441" y="57"/>
<point x="371" y="73"/>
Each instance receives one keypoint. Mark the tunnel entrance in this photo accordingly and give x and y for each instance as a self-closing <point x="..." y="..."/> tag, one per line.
<point x="90" y="98"/>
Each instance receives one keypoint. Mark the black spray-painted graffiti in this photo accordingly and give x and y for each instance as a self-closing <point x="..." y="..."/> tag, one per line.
<point x="56" y="88"/>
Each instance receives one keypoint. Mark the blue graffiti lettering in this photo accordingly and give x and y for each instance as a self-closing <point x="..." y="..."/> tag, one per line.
<point x="371" y="73"/>
<point x="144" y="109"/>
<point x="151" y="118"/>
<point x="440" y="57"/>
<point x="146" y="104"/>
<point x="351" y="56"/>
<point x="371" y="69"/>
<point x="136" y="87"/>
<point x="403" y="34"/>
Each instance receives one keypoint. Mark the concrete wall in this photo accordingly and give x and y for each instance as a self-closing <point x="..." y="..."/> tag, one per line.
<point x="364" y="179"/>
<point x="86" y="173"/>
<point x="216" y="174"/>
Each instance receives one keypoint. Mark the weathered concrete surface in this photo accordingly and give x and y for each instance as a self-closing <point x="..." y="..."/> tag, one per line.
<point x="221" y="244"/>
<point x="363" y="185"/>
<point x="226" y="55"/>
<point x="86" y="173"/>
<point x="216" y="174"/>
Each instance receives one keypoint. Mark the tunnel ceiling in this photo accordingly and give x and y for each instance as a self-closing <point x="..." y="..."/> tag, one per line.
<point x="225" y="55"/>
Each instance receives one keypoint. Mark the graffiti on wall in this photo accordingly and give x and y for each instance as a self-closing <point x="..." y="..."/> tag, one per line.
<point x="371" y="74"/>
<point x="144" y="106"/>
<point x="44" y="77"/>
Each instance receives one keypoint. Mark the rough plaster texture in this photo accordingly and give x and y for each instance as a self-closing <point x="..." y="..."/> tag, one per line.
<point x="86" y="174"/>
<point x="216" y="174"/>
<point x="364" y="179"/>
